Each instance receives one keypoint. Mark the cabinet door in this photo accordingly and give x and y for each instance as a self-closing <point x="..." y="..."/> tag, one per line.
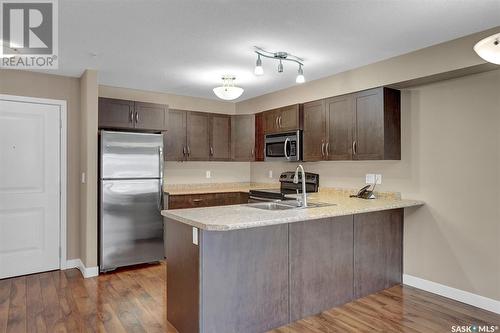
<point x="259" y="137"/>
<point x="271" y="121"/>
<point x="115" y="113"/>
<point x="369" y="125"/>
<point x="339" y="119"/>
<point x="150" y="116"/>
<point x="314" y="131"/>
<point x="321" y="272"/>
<point x="378" y="251"/>
<point x="243" y="137"/>
<point x="289" y="118"/>
<point x="198" y="136"/>
<point x="175" y="137"/>
<point x="220" y="137"/>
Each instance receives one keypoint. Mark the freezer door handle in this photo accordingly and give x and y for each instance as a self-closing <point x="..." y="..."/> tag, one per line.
<point x="160" y="163"/>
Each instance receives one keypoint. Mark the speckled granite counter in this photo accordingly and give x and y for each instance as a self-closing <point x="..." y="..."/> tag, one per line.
<point x="235" y="217"/>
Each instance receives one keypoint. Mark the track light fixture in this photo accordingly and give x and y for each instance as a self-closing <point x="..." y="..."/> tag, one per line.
<point x="280" y="56"/>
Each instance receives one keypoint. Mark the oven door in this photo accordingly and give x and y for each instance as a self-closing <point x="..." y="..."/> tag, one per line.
<point x="283" y="147"/>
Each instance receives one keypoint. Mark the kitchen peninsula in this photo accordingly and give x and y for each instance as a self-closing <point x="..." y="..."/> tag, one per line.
<point x="240" y="268"/>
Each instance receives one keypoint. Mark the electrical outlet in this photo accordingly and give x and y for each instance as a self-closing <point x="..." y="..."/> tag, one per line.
<point x="370" y="178"/>
<point x="208" y="174"/>
<point x="378" y="179"/>
<point x="270" y="173"/>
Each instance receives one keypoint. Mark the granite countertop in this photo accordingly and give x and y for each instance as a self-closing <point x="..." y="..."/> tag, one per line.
<point x="223" y="218"/>
<point x="183" y="189"/>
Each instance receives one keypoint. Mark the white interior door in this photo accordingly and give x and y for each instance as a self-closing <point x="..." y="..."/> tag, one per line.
<point x="29" y="187"/>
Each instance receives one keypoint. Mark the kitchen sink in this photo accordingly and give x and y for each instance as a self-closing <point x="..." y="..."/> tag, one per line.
<point x="285" y="205"/>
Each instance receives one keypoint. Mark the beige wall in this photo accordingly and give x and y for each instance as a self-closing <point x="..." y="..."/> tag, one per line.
<point x="446" y="57"/>
<point x="23" y="83"/>
<point x="173" y="101"/>
<point x="88" y="165"/>
<point x="451" y="160"/>
<point x="195" y="172"/>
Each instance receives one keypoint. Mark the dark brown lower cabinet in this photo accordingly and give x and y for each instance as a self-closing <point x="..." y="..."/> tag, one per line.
<point x="378" y="251"/>
<point x="321" y="272"/>
<point x="180" y="201"/>
<point x="257" y="279"/>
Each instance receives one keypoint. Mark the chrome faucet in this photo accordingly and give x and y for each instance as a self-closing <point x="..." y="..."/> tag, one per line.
<point x="296" y="181"/>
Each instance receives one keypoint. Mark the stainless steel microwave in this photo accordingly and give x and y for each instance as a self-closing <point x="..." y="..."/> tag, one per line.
<point x="283" y="146"/>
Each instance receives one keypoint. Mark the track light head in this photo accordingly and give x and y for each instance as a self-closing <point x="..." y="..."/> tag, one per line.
<point x="280" y="67"/>
<point x="300" y="75"/>
<point x="258" y="66"/>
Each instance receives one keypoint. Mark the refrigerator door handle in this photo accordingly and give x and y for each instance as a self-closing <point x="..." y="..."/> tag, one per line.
<point x="160" y="157"/>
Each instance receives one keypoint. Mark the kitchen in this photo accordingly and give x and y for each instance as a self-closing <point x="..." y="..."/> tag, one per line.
<point x="424" y="135"/>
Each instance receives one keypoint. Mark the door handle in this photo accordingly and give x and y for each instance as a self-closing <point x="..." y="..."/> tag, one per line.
<point x="286" y="143"/>
<point x="160" y="158"/>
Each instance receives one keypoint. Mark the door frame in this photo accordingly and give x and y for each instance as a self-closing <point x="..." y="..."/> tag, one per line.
<point x="62" y="165"/>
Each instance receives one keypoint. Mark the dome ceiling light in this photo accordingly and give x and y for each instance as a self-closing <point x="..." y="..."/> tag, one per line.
<point x="280" y="56"/>
<point x="489" y="49"/>
<point x="228" y="91"/>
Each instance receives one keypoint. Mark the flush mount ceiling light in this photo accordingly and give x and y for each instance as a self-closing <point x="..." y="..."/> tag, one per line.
<point x="228" y="91"/>
<point x="280" y="56"/>
<point x="489" y="49"/>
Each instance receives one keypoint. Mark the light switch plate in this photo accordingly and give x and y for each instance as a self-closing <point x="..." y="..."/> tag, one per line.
<point x="208" y="174"/>
<point x="370" y="178"/>
<point x="378" y="179"/>
<point x="195" y="236"/>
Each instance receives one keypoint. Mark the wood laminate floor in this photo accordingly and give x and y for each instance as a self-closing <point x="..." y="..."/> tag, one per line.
<point x="134" y="300"/>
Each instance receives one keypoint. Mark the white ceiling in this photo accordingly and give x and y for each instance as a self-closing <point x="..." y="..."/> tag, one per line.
<point x="185" y="46"/>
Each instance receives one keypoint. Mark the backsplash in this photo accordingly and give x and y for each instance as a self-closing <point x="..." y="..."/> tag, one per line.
<point x="196" y="172"/>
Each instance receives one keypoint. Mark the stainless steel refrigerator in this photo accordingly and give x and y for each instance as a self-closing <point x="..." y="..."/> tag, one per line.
<point x="131" y="195"/>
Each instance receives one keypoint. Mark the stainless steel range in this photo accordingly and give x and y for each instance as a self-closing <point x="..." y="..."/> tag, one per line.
<point x="287" y="187"/>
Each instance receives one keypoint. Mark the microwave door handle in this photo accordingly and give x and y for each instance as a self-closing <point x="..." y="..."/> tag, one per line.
<point x="284" y="149"/>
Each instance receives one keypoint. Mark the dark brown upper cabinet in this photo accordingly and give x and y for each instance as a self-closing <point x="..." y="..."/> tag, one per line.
<point x="259" y="137"/>
<point x="314" y="131"/>
<point x="243" y="137"/>
<point x="175" y="139"/>
<point x="339" y="128"/>
<point x="220" y="137"/>
<point x="377" y="124"/>
<point x="123" y="114"/>
<point x="198" y="136"/>
<point x="284" y="119"/>
<point x="115" y="113"/>
<point x="359" y="126"/>
<point x="149" y="116"/>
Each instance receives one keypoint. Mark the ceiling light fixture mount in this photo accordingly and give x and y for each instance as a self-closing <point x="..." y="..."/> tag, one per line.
<point x="280" y="56"/>
<point x="228" y="91"/>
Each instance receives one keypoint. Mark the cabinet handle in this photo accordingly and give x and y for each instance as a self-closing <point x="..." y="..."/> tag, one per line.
<point x="279" y="121"/>
<point x="322" y="149"/>
<point x="252" y="152"/>
<point x="211" y="151"/>
<point x="136" y="116"/>
<point x="197" y="200"/>
<point x="327" y="149"/>
<point x="130" y="116"/>
<point x="276" y="122"/>
<point x="354" y="147"/>
<point x="188" y="150"/>
<point x="184" y="150"/>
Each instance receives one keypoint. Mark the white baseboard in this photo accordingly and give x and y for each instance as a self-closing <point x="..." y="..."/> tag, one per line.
<point x="87" y="272"/>
<point x="453" y="293"/>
